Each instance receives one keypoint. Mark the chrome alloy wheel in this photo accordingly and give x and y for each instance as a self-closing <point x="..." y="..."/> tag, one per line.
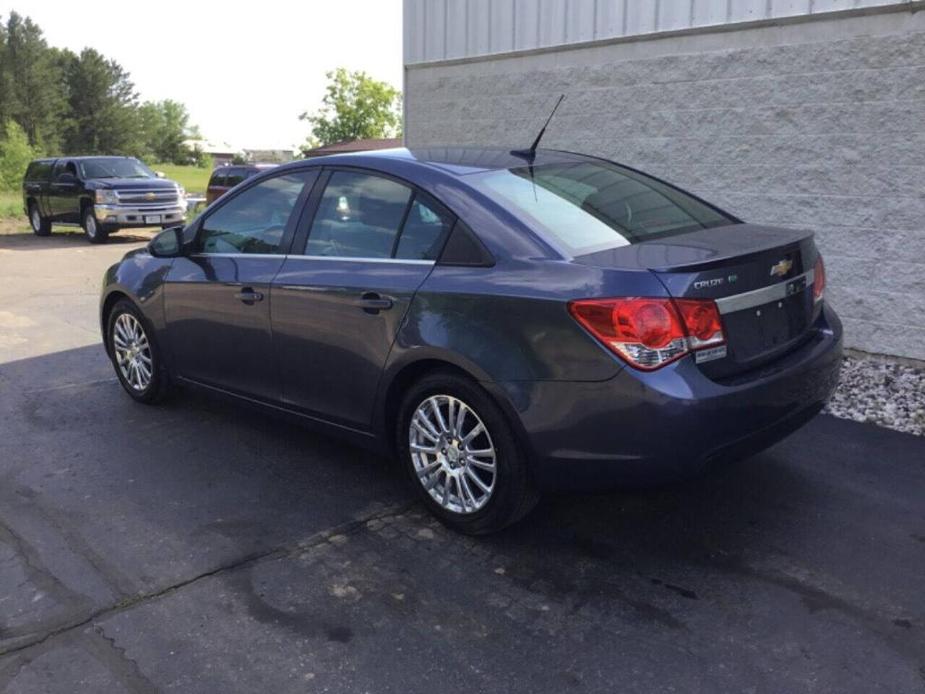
<point x="35" y="218"/>
<point x="133" y="352"/>
<point x="90" y="226"/>
<point x="453" y="454"/>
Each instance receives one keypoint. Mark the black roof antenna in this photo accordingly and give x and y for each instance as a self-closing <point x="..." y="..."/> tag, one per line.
<point x="530" y="154"/>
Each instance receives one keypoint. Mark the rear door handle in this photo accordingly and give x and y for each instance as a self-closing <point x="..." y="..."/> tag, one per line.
<point x="371" y="302"/>
<point x="248" y="296"/>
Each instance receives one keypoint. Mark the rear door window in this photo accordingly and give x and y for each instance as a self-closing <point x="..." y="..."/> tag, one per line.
<point x="359" y="216"/>
<point x="368" y="216"/>
<point x="426" y="228"/>
<point x="38" y="170"/>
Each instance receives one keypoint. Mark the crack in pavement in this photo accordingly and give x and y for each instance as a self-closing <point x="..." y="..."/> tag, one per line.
<point x="347" y="528"/>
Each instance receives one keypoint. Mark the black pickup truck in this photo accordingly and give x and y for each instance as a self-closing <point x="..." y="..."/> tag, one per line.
<point x="100" y="194"/>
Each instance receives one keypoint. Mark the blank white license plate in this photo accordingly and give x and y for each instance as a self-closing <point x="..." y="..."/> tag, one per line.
<point x="152" y="219"/>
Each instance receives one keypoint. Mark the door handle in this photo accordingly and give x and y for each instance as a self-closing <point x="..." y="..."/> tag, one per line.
<point x="248" y="296"/>
<point x="371" y="302"/>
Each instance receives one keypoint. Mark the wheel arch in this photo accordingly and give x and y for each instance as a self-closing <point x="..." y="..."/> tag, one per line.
<point x="106" y="309"/>
<point x="401" y="376"/>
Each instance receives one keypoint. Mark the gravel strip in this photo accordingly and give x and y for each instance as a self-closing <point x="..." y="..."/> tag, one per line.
<point x="881" y="392"/>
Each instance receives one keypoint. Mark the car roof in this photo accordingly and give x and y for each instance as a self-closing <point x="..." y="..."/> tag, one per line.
<point x="87" y="157"/>
<point x="452" y="160"/>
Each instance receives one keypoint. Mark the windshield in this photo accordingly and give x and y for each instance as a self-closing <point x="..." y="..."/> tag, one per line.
<point x="589" y="206"/>
<point x="114" y="167"/>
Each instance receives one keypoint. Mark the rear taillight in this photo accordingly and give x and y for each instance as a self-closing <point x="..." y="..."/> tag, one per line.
<point x="649" y="333"/>
<point x="818" y="280"/>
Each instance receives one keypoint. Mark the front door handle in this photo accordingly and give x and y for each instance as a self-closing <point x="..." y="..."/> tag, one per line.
<point x="249" y="296"/>
<point x="371" y="302"/>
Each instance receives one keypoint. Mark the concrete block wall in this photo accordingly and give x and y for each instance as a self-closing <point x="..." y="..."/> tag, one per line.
<point x="819" y="124"/>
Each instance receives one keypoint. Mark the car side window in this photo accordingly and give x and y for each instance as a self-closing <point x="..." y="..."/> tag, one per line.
<point x="358" y="216"/>
<point x="424" y="231"/>
<point x="254" y="220"/>
<point x="235" y="176"/>
<point x="218" y="178"/>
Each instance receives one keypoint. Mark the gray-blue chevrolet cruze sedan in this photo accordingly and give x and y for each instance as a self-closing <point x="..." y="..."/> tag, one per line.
<point x="504" y="322"/>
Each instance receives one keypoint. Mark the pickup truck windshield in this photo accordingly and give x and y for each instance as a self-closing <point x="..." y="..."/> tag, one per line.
<point x="588" y="206"/>
<point x="114" y="167"/>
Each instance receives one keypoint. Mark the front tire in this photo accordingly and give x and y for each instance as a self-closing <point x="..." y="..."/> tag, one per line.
<point x="41" y="226"/>
<point x="462" y="456"/>
<point x="96" y="232"/>
<point x="135" y="355"/>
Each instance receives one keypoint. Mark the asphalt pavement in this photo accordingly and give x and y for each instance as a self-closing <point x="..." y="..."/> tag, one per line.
<point x="205" y="547"/>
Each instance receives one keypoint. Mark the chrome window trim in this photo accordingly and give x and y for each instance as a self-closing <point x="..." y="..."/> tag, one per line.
<point x="354" y="259"/>
<point x="759" y="297"/>
<point x="312" y="257"/>
<point x="237" y="255"/>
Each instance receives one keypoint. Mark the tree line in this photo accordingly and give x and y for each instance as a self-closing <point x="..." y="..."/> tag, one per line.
<point x="57" y="102"/>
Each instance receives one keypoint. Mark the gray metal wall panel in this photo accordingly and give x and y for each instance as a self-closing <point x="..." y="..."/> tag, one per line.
<point x="444" y="29"/>
<point x="526" y="24"/>
<point x="502" y="25"/>
<point x="479" y="27"/>
<point x="456" y="34"/>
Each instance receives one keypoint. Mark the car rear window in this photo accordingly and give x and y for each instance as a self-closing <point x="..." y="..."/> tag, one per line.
<point x="589" y="206"/>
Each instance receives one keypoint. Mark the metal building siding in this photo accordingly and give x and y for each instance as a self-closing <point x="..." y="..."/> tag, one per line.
<point x="447" y="29"/>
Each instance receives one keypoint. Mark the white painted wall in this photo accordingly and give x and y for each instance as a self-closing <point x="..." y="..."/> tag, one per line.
<point x="438" y="30"/>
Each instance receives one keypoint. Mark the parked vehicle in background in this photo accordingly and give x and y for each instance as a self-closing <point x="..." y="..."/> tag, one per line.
<point x="100" y="194"/>
<point x="224" y="178"/>
<point x="505" y="323"/>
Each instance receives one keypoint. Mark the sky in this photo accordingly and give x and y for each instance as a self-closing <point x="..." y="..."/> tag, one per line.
<point x="245" y="70"/>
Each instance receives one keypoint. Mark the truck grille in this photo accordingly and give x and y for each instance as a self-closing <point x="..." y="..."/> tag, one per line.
<point x="159" y="197"/>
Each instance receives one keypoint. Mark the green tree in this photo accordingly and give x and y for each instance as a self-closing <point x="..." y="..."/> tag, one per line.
<point x="165" y="127"/>
<point x="103" y="107"/>
<point x="15" y="155"/>
<point x="355" y="107"/>
<point x="32" y="83"/>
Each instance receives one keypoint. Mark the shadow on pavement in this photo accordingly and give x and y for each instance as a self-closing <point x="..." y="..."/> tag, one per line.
<point x="28" y="241"/>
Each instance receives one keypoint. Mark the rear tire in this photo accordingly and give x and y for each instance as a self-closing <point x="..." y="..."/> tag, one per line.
<point x="41" y="226"/>
<point x="96" y="232"/>
<point x="135" y="355"/>
<point x="461" y="483"/>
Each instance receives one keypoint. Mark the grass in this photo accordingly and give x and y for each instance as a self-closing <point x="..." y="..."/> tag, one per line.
<point x="11" y="204"/>
<point x="192" y="178"/>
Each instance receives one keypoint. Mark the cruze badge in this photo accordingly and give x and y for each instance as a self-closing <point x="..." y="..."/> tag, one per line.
<point x="781" y="268"/>
<point x="715" y="282"/>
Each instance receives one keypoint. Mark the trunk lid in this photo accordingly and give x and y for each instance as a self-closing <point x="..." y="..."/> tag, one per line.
<point x="760" y="277"/>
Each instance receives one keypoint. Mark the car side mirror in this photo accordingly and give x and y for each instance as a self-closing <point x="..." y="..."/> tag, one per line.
<point x="167" y="244"/>
<point x="160" y="174"/>
<point x="68" y="178"/>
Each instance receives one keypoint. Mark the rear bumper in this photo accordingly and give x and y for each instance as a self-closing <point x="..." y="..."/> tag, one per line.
<point x="125" y="216"/>
<point x="640" y="428"/>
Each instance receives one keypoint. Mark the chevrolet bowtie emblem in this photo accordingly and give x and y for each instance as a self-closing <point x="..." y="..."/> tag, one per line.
<point x="150" y="196"/>
<point x="781" y="268"/>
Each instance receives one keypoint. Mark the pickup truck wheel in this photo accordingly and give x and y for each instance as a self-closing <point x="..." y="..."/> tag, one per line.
<point x="96" y="232"/>
<point x="40" y="225"/>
